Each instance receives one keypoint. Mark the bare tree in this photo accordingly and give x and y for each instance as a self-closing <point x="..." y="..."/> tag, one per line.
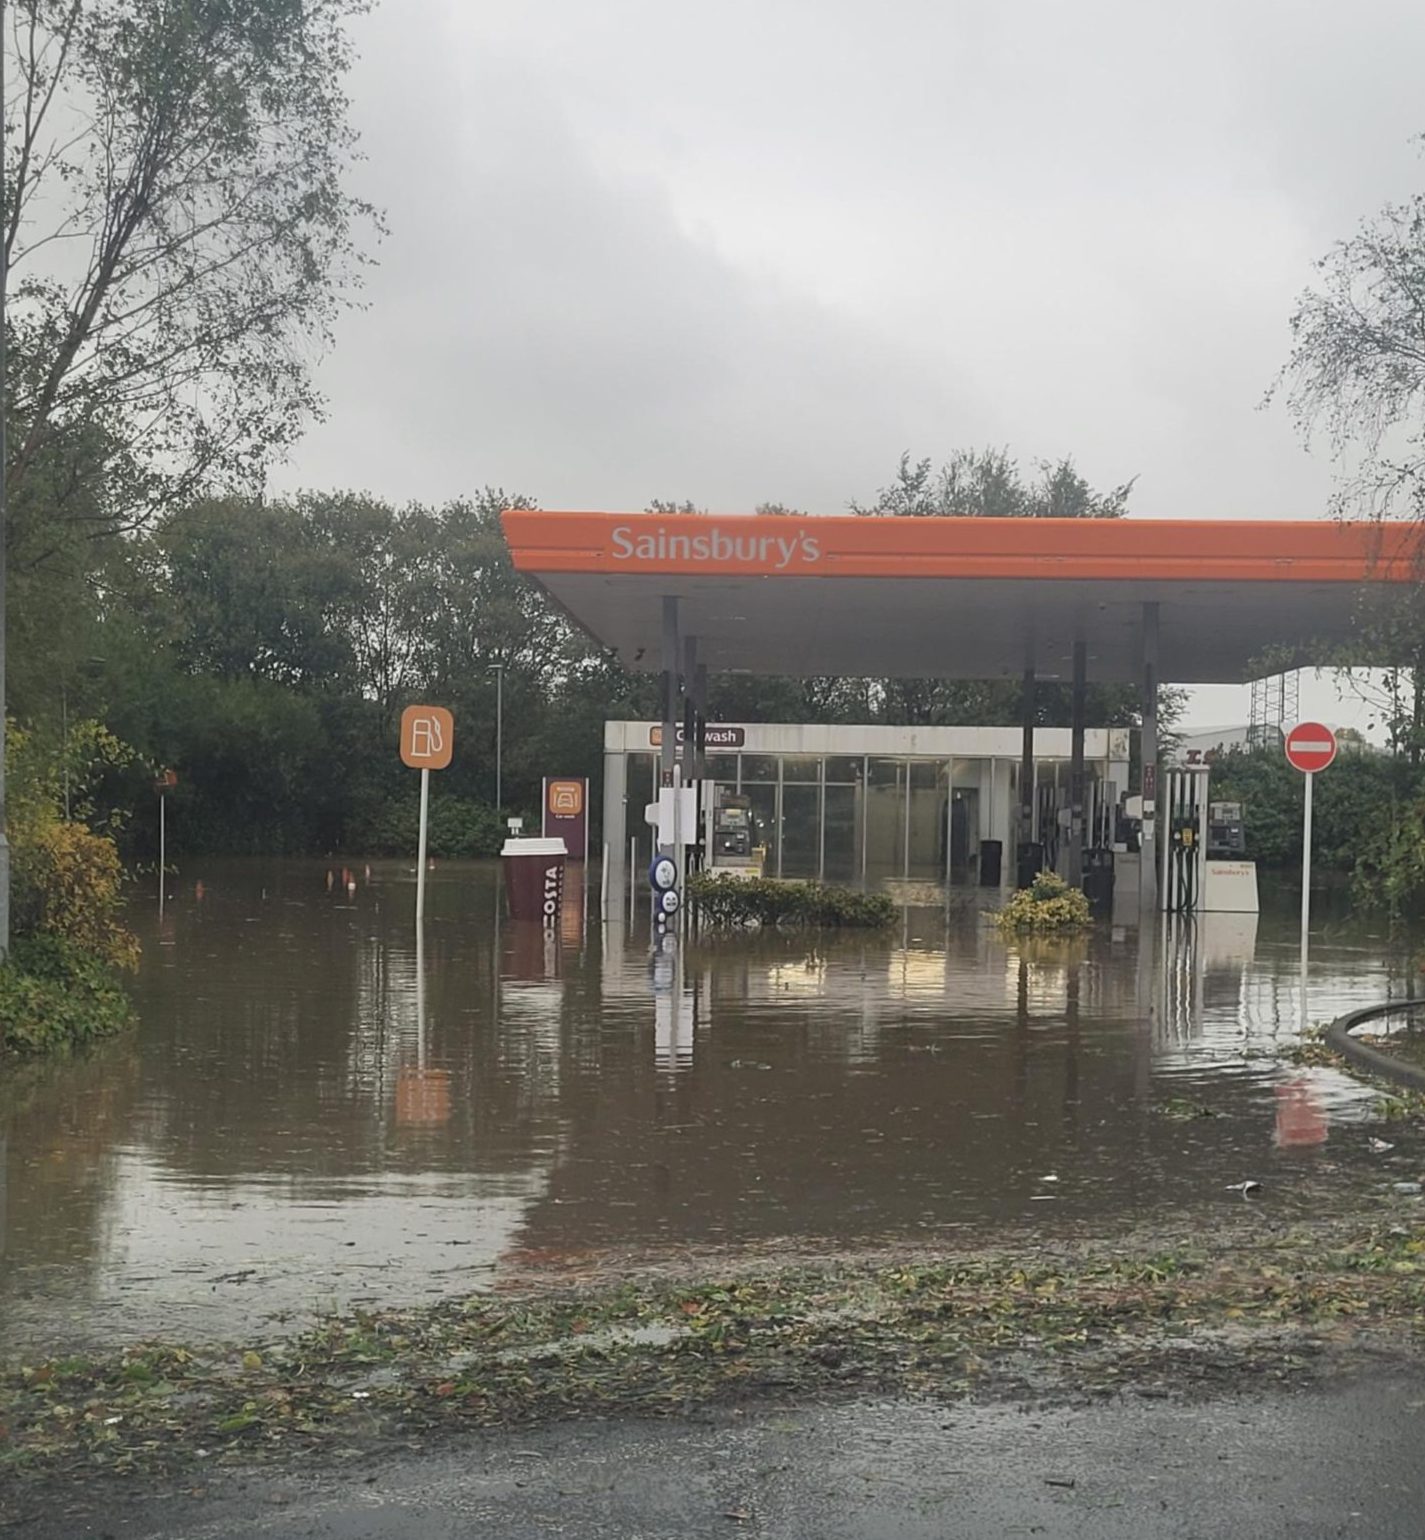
<point x="1357" y="365"/>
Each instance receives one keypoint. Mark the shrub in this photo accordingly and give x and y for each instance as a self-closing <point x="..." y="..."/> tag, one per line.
<point x="54" y="994"/>
<point x="67" y="884"/>
<point x="725" y="900"/>
<point x="1049" y="903"/>
<point x="458" y="829"/>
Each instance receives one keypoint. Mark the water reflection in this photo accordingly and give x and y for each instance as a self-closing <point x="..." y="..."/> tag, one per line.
<point x="318" y="1110"/>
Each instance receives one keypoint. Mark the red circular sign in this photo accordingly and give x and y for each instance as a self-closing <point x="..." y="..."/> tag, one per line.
<point x="1310" y="746"/>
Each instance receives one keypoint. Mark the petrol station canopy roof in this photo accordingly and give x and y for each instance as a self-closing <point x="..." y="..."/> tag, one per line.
<point x="962" y="598"/>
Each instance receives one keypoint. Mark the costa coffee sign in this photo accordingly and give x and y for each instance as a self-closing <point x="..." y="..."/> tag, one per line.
<point x="713" y="737"/>
<point x="718" y="547"/>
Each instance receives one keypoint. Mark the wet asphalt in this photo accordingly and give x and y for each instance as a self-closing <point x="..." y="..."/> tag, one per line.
<point x="1337" y="1459"/>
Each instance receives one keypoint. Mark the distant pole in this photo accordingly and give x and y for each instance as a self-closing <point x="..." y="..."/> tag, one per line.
<point x="498" y="670"/>
<point x="421" y="855"/>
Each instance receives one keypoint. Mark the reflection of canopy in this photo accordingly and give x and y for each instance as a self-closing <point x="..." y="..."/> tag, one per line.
<point x="960" y="598"/>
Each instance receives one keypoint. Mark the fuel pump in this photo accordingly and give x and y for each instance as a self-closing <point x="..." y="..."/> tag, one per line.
<point x="1204" y="864"/>
<point x="1186" y="828"/>
<point x="732" y="840"/>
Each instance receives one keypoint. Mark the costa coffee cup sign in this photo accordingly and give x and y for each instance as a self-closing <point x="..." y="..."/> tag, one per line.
<point x="534" y="879"/>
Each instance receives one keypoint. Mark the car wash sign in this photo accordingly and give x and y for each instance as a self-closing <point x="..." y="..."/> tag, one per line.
<point x="566" y="814"/>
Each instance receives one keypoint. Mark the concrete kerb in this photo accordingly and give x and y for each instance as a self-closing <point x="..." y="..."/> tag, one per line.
<point x="1338" y="1036"/>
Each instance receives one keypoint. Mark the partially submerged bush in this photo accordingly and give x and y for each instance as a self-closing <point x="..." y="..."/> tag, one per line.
<point x="54" y="994"/>
<point x="1049" y="903"/>
<point x="727" y="901"/>
<point x="68" y="885"/>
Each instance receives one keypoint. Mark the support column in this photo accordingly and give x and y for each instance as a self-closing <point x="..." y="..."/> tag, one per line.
<point x="1024" y="831"/>
<point x="700" y="703"/>
<point x="668" y="749"/>
<point x="1148" y="844"/>
<point x="616" y="827"/>
<point x="1074" y="870"/>
<point x="690" y="711"/>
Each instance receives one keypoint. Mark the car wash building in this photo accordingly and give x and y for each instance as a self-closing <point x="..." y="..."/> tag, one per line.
<point x="868" y="805"/>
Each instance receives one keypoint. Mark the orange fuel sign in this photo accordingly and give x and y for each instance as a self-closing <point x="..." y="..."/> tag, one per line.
<point x="427" y="737"/>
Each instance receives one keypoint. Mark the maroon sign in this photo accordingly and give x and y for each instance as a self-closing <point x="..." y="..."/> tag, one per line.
<point x="1310" y="747"/>
<point x="566" y="814"/>
<point x="714" y="737"/>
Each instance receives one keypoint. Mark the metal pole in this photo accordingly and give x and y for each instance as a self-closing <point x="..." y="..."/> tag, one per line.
<point x="162" y="844"/>
<point x="421" y="856"/>
<point x="1075" y="872"/>
<point x="1148" y="744"/>
<point x="1305" y="893"/>
<point x="499" y="739"/>
<point x="421" y="958"/>
<point x="4" y="520"/>
<point x="1024" y="835"/>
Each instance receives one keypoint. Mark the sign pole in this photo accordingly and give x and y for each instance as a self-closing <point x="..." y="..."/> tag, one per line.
<point x="1310" y="747"/>
<point x="427" y="743"/>
<point x="421" y="857"/>
<point x="1305" y="891"/>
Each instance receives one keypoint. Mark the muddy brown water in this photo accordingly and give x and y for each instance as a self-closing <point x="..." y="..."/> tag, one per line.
<point x="302" y="1123"/>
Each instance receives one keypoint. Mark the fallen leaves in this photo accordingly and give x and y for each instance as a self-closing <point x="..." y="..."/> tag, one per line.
<point x="946" y="1327"/>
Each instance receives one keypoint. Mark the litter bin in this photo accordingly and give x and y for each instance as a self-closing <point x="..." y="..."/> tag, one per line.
<point x="1098" y="880"/>
<point x="1030" y="862"/>
<point x="534" y="879"/>
<point x="991" y="863"/>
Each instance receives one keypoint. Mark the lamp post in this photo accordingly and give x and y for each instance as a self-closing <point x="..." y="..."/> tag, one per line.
<point x="498" y="670"/>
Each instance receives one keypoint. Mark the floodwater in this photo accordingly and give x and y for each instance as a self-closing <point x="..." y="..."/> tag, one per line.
<point x="303" y="1122"/>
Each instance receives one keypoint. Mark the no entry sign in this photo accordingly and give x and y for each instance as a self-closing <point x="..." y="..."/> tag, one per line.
<point x="1310" y="747"/>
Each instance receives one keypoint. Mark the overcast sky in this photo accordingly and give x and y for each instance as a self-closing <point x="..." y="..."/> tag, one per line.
<point x="753" y="251"/>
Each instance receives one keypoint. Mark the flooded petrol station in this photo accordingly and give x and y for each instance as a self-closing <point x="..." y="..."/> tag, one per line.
<point x="296" y="1126"/>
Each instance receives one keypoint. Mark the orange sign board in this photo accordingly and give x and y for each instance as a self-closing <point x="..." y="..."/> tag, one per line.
<point x="566" y="798"/>
<point x="427" y="737"/>
<point x="1266" y="550"/>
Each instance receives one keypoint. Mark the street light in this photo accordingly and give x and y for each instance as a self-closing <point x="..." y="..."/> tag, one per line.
<point x="498" y="670"/>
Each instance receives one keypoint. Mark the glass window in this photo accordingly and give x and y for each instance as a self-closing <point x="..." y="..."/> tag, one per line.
<point x="639" y="794"/>
<point x="801" y="830"/>
<point x="801" y="767"/>
<point x="885" y="819"/>
<point x="759" y="767"/>
<point x="723" y="767"/>
<point x="764" y="823"/>
<point x="965" y="820"/>
<point x="844" y="771"/>
<point x="929" y="791"/>
<point x="842" y="853"/>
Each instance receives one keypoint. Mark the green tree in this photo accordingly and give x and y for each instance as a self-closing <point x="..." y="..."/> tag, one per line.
<point x="987" y="483"/>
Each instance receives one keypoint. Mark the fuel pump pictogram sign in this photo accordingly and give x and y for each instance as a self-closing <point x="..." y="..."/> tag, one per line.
<point x="427" y="737"/>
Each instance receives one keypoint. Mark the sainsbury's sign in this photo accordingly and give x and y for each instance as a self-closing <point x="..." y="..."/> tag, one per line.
<point x="715" y="547"/>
